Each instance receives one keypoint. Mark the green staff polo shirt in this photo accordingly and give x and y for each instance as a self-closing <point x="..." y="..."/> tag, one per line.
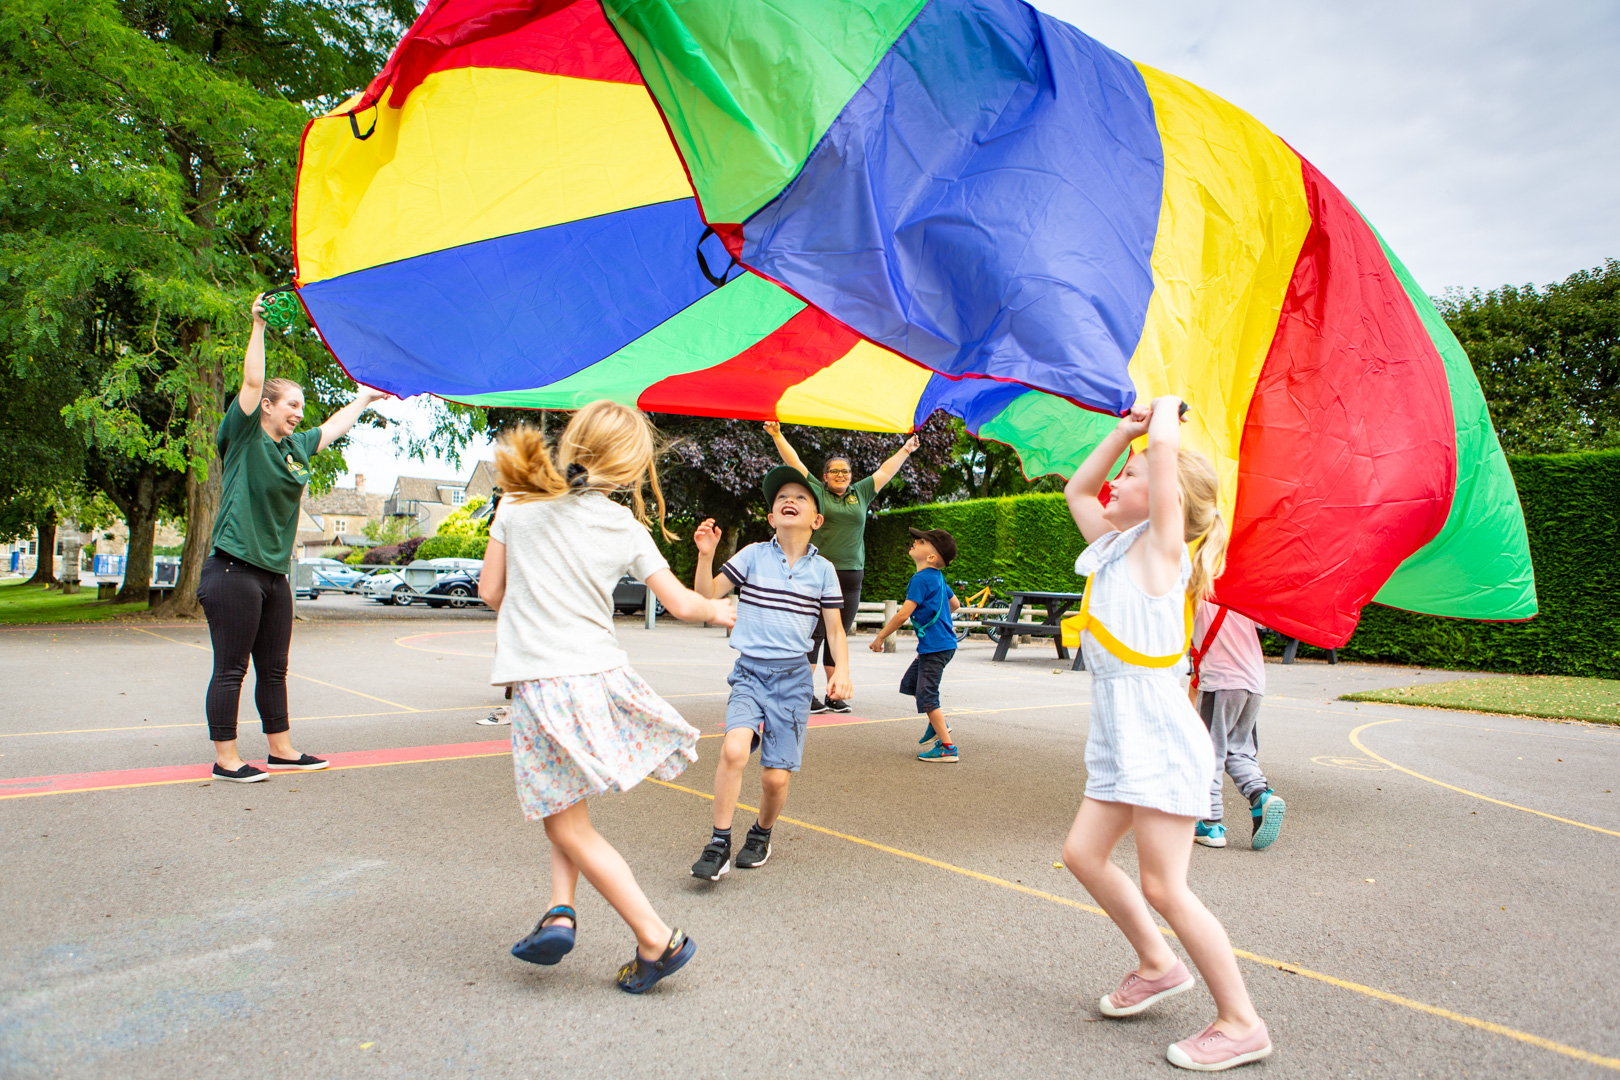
<point x="263" y="485"/>
<point x="842" y="536"/>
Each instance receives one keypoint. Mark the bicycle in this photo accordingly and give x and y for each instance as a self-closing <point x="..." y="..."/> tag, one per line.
<point x="979" y="602"/>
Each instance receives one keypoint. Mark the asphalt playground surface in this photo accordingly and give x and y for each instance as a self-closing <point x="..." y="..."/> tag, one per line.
<point x="1441" y="901"/>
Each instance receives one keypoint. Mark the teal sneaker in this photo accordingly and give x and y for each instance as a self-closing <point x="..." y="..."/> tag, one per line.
<point x="1210" y="834"/>
<point x="1267" y="813"/>
<point x="929" y="736"/>
<point x="939" y="752"/>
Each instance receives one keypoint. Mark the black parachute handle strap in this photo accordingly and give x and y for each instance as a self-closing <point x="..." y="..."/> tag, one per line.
<point x="354" y="125"/>
<point x="703" y="263"/>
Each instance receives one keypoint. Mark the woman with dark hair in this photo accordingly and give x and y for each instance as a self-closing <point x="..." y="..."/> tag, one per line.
<point x="841" y="540"/>
<point x="264" y="462"/>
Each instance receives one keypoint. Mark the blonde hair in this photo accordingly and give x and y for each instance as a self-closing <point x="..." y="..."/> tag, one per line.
<point x="1200" y="503"/>
<point x="606" y="446"/>
<point x="276" y="389"/>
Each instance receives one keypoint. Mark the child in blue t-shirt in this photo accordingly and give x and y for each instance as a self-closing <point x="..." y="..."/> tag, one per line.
<point x="929" y="603"/>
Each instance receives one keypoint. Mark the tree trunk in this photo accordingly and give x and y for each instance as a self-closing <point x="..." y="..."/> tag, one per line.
<point x="45" y="567"/>
<point x="204" y="486"/>
<point x="141" y="516"/>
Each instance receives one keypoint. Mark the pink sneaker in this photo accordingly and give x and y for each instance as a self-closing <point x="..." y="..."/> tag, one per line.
<point x="1211" y="1050"/>
<point x="1136" y="993"/>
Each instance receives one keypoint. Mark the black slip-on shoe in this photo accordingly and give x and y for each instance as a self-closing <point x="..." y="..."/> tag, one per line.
<point x="304" y="762"/>
<point x="817" y="705"/>
<point x="839" y="706"/>
<point x="247" y="774"/>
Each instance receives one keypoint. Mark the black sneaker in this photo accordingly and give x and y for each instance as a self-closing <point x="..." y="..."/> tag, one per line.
<point x="817" y="705"/>
<point x="756" y="849"/>
<point x="247" y="774"/>
<point x="714" y="863"/>
<point x="303" y="761"/>
<point x="837" y="706"/>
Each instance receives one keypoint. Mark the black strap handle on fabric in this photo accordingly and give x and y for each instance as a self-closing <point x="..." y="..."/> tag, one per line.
<point x="703" y="263"/>
<point x="354" y="126"/>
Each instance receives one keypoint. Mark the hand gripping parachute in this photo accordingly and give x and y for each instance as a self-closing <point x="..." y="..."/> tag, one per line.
<point x="854" y="214"/>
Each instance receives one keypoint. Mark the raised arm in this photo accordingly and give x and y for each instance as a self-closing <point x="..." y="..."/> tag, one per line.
<point x="887" y="470"/>
<point x="705" y="582"/>
<point x="1084" y="486"/>
<point x="338" y="424"/>
<point x="789" y="455"/>
<point x="1167" y="522"/>
<point x="253" y="363"/>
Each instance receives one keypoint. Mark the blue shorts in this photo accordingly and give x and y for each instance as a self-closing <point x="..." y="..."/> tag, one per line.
<point x="775" y="694"/>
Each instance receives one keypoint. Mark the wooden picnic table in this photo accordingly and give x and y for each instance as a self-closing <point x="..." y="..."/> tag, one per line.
<point x="1057" y="605"/>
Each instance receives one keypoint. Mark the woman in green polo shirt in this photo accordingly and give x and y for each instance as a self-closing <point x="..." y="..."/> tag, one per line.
<point x="841" y="540"/>
<point x="264" y="461"/>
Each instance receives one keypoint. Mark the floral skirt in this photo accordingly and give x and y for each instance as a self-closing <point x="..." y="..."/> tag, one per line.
<point x="574" y="736"/>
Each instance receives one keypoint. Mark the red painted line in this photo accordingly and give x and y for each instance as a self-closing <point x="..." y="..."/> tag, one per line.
<point x="67" y="783"/>
<point x="191" y="774"/>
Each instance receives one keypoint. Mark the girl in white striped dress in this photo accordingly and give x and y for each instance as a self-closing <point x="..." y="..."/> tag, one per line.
<point x="1148" y="756"/>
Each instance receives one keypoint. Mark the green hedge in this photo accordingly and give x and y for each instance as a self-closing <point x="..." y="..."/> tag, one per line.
<point x="1571" y="507"/>
<point x="453" y="547"/>
<point x="1029" y="541"/>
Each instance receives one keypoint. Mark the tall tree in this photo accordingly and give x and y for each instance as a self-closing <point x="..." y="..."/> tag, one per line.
<point x="1548" y="359"/>
<point x="149" y="151"/>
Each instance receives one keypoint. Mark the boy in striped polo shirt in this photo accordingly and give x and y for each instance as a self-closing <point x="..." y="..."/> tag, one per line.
<point x="783" y="588"/>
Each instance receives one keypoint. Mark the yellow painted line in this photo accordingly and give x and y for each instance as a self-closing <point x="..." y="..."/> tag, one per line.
<point x="293" y="674"/>
<point x="1281" y="965"/>
<point x="1016" y="708"/>
<point x="295" y="719"/>
<point x="1599" y="732"/>
<point x="90" y="730"/>
<point x="1355" y="740"/>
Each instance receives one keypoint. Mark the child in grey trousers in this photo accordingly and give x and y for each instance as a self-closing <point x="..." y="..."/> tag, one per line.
<point x="1230" y="674"/>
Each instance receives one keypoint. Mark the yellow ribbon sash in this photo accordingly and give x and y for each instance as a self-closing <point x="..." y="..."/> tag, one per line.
<point x="1074" y="624"/>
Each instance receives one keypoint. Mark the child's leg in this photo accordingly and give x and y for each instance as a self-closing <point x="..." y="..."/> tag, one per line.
<point x="1098" y="828"/>
<point x="936" y="717"/>
<point x="1163" y="850"/>
<point x="1241" y="760"/>
<point x="1209" y="712"/>
<point x="773" y="795"/>
<point x="564" y="880"/>
<point x="572" y="833"/>
<point x="734" y="751"/>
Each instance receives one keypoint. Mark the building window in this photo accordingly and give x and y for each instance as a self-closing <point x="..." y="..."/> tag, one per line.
<point x="458" y="496"/>
<point x="33" y="547"/>
<point x="340" y="526"/>
<point x="59" y="548"/>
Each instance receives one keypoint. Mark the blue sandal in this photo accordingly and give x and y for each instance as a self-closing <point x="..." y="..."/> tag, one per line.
<point x="548" y="944"/>
<point x="638" y="976"/>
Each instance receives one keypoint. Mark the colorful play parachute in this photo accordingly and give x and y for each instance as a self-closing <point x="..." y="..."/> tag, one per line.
<point x="856" y="214"/>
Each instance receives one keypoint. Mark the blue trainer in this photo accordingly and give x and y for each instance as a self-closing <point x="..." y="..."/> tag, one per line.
<point x="1210" y="834"/>
<point x="1267" y="812"/>
<point x="929" y="735"/>
<point x="940" y="751"/>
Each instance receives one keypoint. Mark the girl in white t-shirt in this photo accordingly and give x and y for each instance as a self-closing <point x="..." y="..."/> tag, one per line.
<point x="583" y="722"/>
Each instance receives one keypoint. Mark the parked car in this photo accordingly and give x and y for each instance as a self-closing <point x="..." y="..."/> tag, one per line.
<point x="459" y="589"/>
<point x="332" y="574"/>
<point x="630" y="596"/>
<point x="388" y="585"/>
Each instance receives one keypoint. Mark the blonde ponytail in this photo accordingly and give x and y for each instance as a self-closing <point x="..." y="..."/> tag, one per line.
<point x="606" y="447"/>
<point x="1205" y="528"/>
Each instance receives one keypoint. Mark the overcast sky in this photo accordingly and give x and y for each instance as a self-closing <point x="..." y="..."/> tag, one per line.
<point x="1481" y="138"/>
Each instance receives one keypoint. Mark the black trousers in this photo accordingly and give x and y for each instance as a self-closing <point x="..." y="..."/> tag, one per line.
<point x="849" y="581"/>
<point x="250" y="614"/>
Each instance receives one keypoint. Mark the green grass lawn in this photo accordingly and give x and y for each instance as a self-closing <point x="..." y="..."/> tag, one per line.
<point x="21" y="603"/>
<point x="1554" y="697"/>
